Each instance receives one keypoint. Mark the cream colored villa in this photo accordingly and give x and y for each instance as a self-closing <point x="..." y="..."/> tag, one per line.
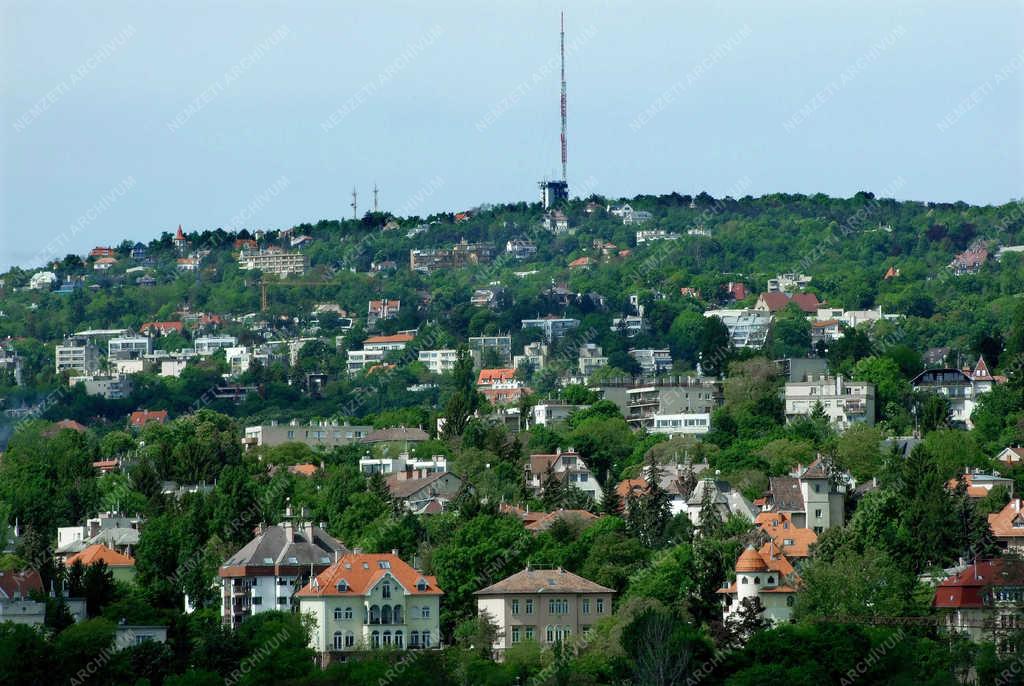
<point x="371" y="601"/>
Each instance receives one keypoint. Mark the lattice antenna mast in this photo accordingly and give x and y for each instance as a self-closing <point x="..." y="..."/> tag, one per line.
<point x="375" y="198"/>
<point x="565" y="155"/>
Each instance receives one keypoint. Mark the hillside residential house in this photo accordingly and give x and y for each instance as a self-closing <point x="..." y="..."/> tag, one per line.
<point x="556" y="222"/>
<point x="424" y="492"/>
<point x="42" y="281"/>
<point x="962" y="387"/>
<point x="591" y="358"/>
<point x="785" y="537"/>
<point x="116" y="531"/>
<point x="317" y="433"/>
<point x="1011" y="456"/>
<point x="396" y="341"/>
<point x="631" y="325"/>
<point x="726" y="500"/>
<point x="775" y="302"/>
<point x="370" y="464"/>
<point x="208" y="345"/>
<point x="1008" y="525"/>
<point x="978" y="484"/>
<point x="983" y="601"/>
<point x="747" y="328"/>
<point x="577" y="519"/>
<point x="652" y="235"/>
<point x="548" y="413"/>
<point x="668" y="398"/>
<point x="566" y="466"/>
<point x="121" y="566"/>
<point x="688" y="424"/>
<point x="491" y="297"/>
<point x="77" y="353"/>
<point x="274" y="261"/>
<point x="378" y="310"/>
<point x="439" y="361"/>
<point x="179" y="241"/>
<point x="969" y="261"/>
<point x="109" y="386"/>
<point x="128" y="347"/>
<point x="552" y="326"/>
<point x="139" y="418"/>
<point x="543" y="605"/>
<point x="15" y="604"/>
<point x="761" y="576"/>
<point x="652" y="362"/>
<point x="368" y="602"/>
<point x="266" y="572"/>
<point x="161" y="328"/>
<point x="788" y="283"/>
<point x="808" y="497"/>
<point x="825" y="331"/>
<point x="462" y="254"/>
<point x="844" y="402"/>
<point x="520" y="249"/>
<point x="535" y="354"/>
<point x="501" y="345"/>
<point x="401" y="436"/>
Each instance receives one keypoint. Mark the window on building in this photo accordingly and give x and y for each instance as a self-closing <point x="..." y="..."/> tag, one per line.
<point x="414" y="639"/>
<point x="374" y="614"/>
<point x="338" y="613"/>
<point x="257" y="600"/>
<point x="425" y="639"/>
<point x="339" y="640"/>
<point x="817" y="514"/>
<point x="425" y="612"/>
<point x="515" y="634"/>
<point x="600" y="605"/>
<point x="375" y="639"/>
<point x="397" y="614"/>
<point x="529" y="633"/>
<point x="385" y="590"/>
<point x="790" y="600"/>
<point x="399" y="640"/>
<point x="515" y="606"/>
<point x="282" y="600"/>
<point x="348" y="613"/>
<point x="529" y="606"/>
<point x="586" y="606"/>
<point x="549" y="634"/>
<point x="421" y="585"/>
<point x="387" y="638"/>
<point x="385" y="615"/>
<point x="350" y="639"/>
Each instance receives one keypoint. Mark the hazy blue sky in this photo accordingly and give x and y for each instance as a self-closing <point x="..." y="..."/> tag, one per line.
<point x="154" y="114"/>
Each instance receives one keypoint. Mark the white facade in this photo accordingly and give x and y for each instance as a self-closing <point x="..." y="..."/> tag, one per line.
<point x="128" y="347"/>
<point x="358" y="359"/>
<point x="553" y="327"/>
<point x="78" y="354"/>
<point x="113" y="387"/>
<point x="439" y="361"/>
<point x="546" y="414"/>
<point x="747" y="328"/>
<point x="273" y="262"/>
<point x="207" y="345"/>
<point x="844" y="402"/>
<point x="591" y="359"/>
<point x="652" y="362"/>
<point x="404" y="462"/>
<point x="687" y="424"/>
<point x="42" y="281"/>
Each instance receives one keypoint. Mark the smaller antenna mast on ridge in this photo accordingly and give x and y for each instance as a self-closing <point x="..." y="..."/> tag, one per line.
<point x="375" y="197"/>
<point x="354" y="205"/>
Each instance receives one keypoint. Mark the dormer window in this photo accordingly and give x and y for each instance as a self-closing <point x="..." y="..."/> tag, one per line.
<point x="421" y="585"/>
<point x="342" y="586"/>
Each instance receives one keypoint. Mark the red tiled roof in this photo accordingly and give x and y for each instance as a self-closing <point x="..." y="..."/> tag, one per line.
<point x="582" y="517"/>
<point x="967" y="589"/>
<point x="395" y="338"/>
<point x="303" y="469"/>
<point x="142" y="417"/>
<point x="636" y="487"/>
<point x="162" y="326"/>
<point x="68" y="424"/>
<point x="489" y="376"/>
<point x="1008" y="522"/>
<point x="98" y="552"/>
<point x="362" y="571"/>
<point x="19" y="583"/>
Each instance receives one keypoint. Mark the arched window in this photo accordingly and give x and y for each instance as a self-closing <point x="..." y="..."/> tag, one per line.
<point x="771" y="580"/>
<point x="549" y="633"/>
<point x="385" y="590"/>
<point x="398" y="640"/>
<point x="425" y="639"/>
<point x="398" y="614"/>
<point x="338" y="640"/>
<point x="385" y="614"/>
<point x="757" y="579"/>
<point x="744" y="581"/>
<point x="347" y="614"/>
<point x="350" y="639"/>
<point x="337" y="613"/>
<point x="790" y="600"/>
<point x="414" y="639"/>
<point x="375" y="639"/>
<point x="387" y="638"/>
<point x="374" y="614"/>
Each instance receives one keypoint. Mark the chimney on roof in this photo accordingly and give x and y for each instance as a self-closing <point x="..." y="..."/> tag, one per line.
<point x="394" y="551"/>
<point x="308" y="530"/>
<point x="357" y="551"/>
<point x="289" y="532"/>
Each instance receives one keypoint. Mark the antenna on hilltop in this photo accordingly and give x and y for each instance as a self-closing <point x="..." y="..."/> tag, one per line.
<point x="564" y="148"/>
<point x="354" y="205"/>
<point x="375" y="198"/>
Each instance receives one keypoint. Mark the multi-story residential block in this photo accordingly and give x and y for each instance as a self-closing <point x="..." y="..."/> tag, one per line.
<point x="543" y="605"/>
<point x="652" y="235"/>
<point x="556" y="222"/>
<point x="439" y="361"/>
<point x="12" y="362"/>
<point x="565" y="465"/>
<point x="208" y="345"/>
<point x="377" y="310"/>
<point x="844" y="402"/>
<point x="690" y="424"/>
<point x="520" y="249"/>
<point x="536" y="354"/>
<point x="492" y="297"/>
<point x="825" y="331"/>
<point x="77" y="353"/>
<point x="652" y="362"/>
<point x="552" y="326"/>
<point x="404" y="462"/>
<point x="631" y="325"/>
<point x="546" y="414"/>
<point x="788" y="283"/>
<point x="591" y="358"/>
<point x="317" y="434"/>
<point x="500" y="344"/>
<point x="268" y="571"/>
<point x="111" y="387"/>
<point x="386" y="344"/>
<point x="370" y="602"/>
<point x="128" y="347"/>
<point x="274" y="261"/>
<point x="747" y="328"/>
<point x="640" y="403"/>
<point x="358" y="360"/>
<point x="462" y="254"/>
<point x="962" y="387"/>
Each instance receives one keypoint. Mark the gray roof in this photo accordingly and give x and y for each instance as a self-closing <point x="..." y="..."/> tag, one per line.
<point x="400" y="433"/>
<point x="271" y="547"/>
<point x="786" y="494"/>
<point x="544" y="581"/>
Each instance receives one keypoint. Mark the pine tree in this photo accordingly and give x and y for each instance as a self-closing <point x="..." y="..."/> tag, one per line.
<point x="709" y="521"/>
<point x="554" y="489"/>
<point x="611" y="502"/>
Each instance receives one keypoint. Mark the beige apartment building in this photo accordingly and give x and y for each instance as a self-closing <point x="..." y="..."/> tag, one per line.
<point x="543" y="605"/>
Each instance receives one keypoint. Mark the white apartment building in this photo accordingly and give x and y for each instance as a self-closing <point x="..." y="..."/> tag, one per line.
<point x="208" y="345"/>
<point x="112" y="387"/>
<point x="632" y="325"/>
<point x="546" y="414"/>
<point x="501" y="344"/>
<point x="404" y="462"/>
<point x="552" y="326"/>
<point x="79" y="354"/>
<point x="845" y="402"/>
<point x="652" y="362"/>
<point x="128" y="347"/>
<point x="535" y="353"/>
<point x="274" y="262"/>
<point x="357" y="360"/>
<point x="591" y="359"/>
<point x="322" y="434"/>
<point x="690" y="424"/>
<point x="439" y="361"/>
<point x="747" y="328"/>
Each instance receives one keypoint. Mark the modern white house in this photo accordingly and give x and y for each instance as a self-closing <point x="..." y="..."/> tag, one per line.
<point x="439" y="361"/>
<point x="552" y="326"/>
<point x="845" y="402"/>
<point x="748" y="328"/>
<point x="77" y="353"/>
<point x="690" y="424"/>
<point x="962" y="387"/>
<point x="208" y="345"/>
<point x="371" y="602"/>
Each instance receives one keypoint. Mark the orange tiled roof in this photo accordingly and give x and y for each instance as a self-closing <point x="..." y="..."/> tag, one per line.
<point x="98" y="552"/>
<point x="779" y="525"/>
<point x="489" y="376"/>
<point x="303" y="469"/>
<point x="361" y="571"/>
<point x="636" y="487"/>
<point x="394" y="338"/>
<point x="751" y="561"/>
<point x="1008" y="522"/>
<point x="141" y="417"/>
